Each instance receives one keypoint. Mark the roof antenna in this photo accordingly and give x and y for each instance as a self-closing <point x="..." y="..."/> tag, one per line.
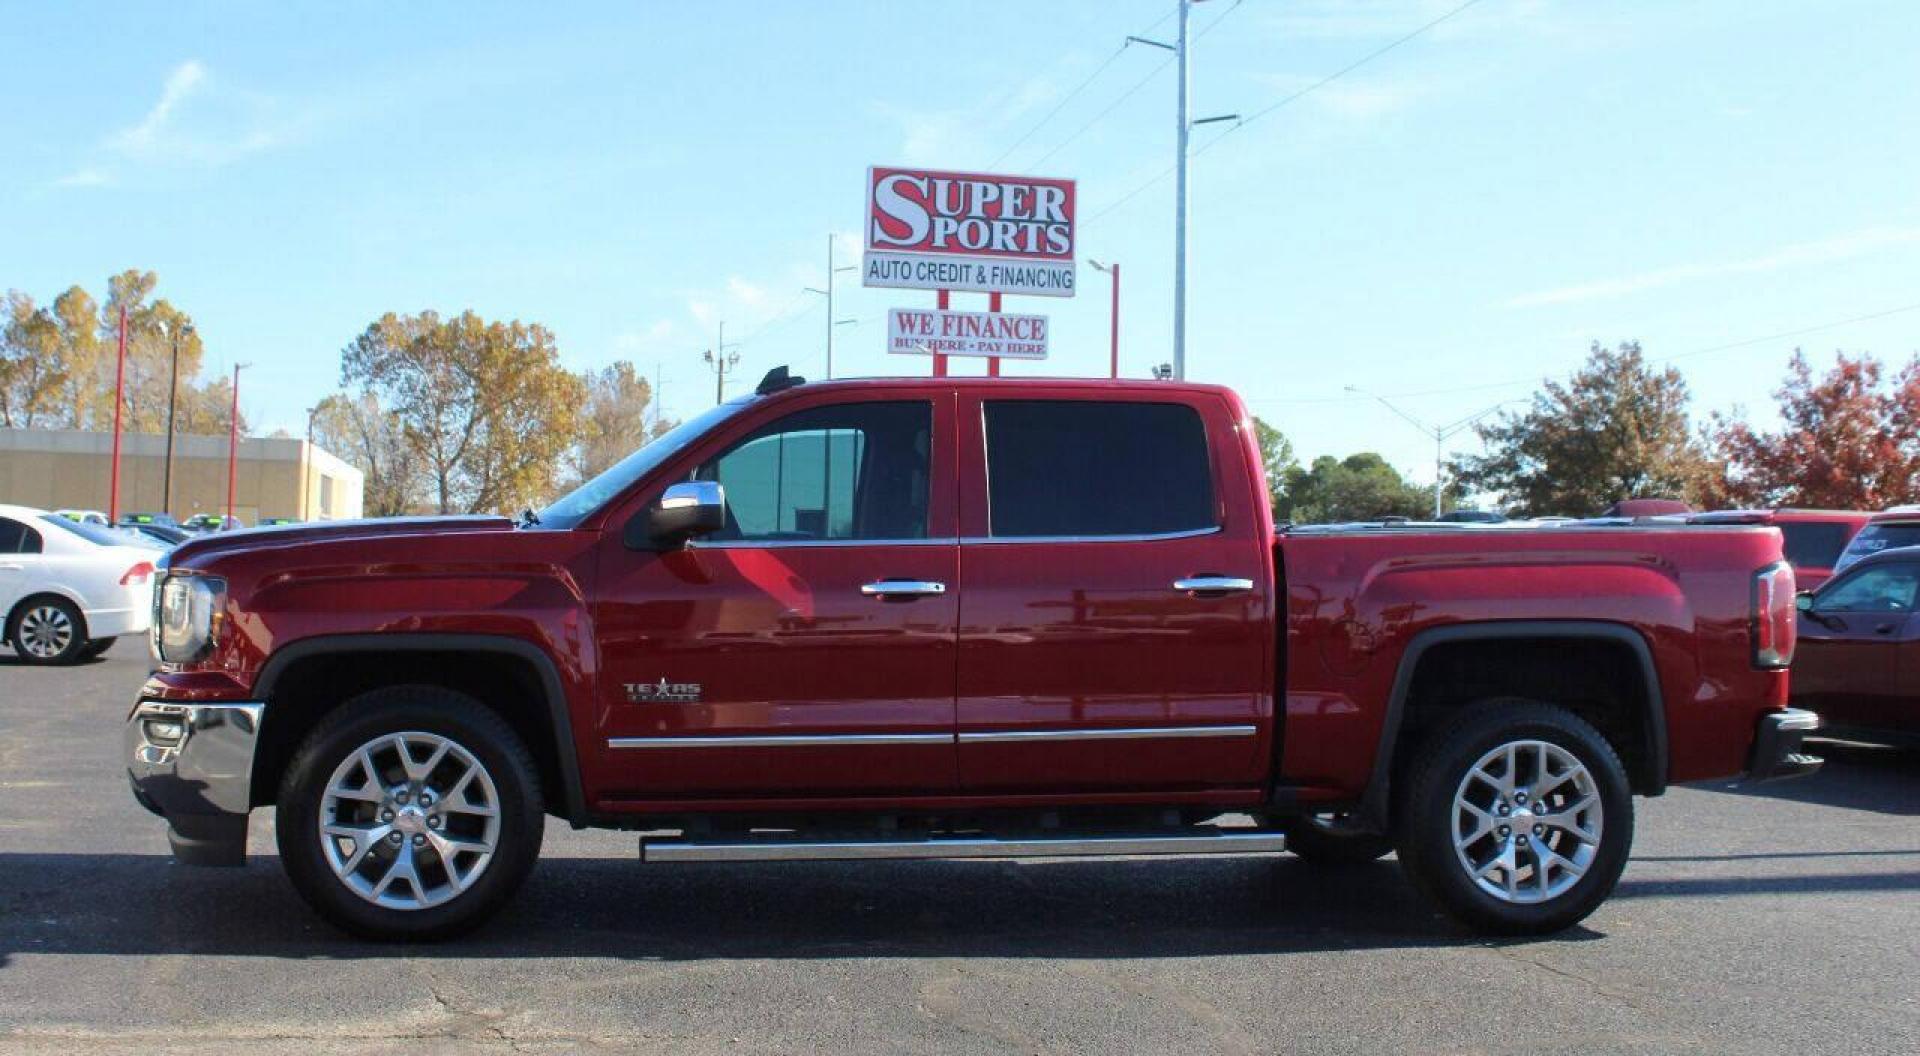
<point x="778" y="380"/>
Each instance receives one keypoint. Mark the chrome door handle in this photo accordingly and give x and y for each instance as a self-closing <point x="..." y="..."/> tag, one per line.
<point x="903" y="588"/>
<point x="1213" y="585"/>
<point x="11" y="567"/>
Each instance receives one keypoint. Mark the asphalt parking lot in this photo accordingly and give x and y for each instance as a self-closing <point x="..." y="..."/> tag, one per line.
<point x="1782" y="921"/>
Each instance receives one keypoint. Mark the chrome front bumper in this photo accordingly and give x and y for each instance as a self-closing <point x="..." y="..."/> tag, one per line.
<point x="192" y="764"/>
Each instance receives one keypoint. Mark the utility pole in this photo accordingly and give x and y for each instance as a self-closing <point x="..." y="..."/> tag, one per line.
<point x="233" y="440"/>
<point x="722" y="362"/>
<point x="1439" y="434"/>
<point x="176" y="331"/>
<point x="832" y="323"/>
<point x="119" y="401"/>
<point x="306" y="467"/>
<point x="1183" y="132"/>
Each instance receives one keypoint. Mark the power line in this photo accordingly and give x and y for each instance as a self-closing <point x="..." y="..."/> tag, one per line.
<point x="1068" y="98"/>
<point x="1284" y="101"/>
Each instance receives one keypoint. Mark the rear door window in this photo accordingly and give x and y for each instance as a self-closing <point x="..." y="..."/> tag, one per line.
<point x="1813" y="544"/>
<point x="1069" y="468"/>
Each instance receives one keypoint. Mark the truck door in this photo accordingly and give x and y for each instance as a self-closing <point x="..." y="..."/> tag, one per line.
<point x="1847" y="664"/>
<point x="807" y="648"/>
<point x="1116" y="610"/>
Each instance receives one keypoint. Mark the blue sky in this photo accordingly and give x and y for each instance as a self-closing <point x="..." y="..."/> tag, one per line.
<point x="1444" y="225"/>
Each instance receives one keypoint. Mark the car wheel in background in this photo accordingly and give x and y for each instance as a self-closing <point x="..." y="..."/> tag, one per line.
<point x="1517" y="818"/>
<point x="47" y="630"/>
<point x="410" y="812"/>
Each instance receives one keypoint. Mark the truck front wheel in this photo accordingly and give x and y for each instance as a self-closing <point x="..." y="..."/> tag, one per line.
<point x="1517" y="818"/>
<point x="410" y="812"/>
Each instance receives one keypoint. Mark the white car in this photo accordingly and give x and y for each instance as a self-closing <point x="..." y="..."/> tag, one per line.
<point x="84" y="516"/>
<point x="67" y="588"/>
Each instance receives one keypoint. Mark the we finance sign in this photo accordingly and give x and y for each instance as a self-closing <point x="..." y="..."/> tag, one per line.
<point x="934" y="230"/>
<point x="934" y="332"/>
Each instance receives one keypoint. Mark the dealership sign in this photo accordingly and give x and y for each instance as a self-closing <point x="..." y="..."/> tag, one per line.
<point x="932" y="230"/>
<point x="928" y="332"/>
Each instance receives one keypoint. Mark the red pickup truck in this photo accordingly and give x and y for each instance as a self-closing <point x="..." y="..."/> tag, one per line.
<point x="939" y="618"/>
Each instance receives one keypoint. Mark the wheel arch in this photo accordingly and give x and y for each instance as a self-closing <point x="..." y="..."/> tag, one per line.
<point x="44" y="591"/>
<point x="557" y="750"/>
<point x="1648" y="778"/>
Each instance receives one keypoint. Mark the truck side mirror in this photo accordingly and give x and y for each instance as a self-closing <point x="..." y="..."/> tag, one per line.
<point x="685" y="510"/>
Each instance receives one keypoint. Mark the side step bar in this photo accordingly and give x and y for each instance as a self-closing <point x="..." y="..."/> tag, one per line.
<point x="780" y="849"/>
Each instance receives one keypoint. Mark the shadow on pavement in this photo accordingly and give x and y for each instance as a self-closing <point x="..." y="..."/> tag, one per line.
<point x="1857" y="777"/>
<point x="584" y="907"/>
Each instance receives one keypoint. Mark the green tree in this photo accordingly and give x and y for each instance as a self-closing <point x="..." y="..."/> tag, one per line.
<point x="484" y="405"/>
<point x="614" y="421"/>
<point x="1618" y="429"/>
<point x="1362" y="487"/>
<point x="32" y="373"/>
<point x="1276" y="457"/>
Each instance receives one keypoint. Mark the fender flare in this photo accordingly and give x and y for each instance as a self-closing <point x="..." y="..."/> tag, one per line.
<point x="1374" y="802"/>
<point x="553" y="693"/>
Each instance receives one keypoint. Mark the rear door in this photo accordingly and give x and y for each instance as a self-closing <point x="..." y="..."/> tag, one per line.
<point x="1116" y="616"/>
<point x="20" y="562"/>
<point x="808" y="648"/>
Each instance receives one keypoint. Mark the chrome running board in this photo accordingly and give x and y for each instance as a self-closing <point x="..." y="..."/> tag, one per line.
<point x="785" y="849"/>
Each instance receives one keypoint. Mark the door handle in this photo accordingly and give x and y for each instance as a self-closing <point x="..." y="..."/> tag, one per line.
<point x="903" y="588"/>
<point x="1209" y="584"/>
<point x="1885" y="628"/>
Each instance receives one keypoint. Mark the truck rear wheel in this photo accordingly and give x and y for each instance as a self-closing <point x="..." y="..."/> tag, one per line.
<point x="1517" y="819"/>
<point x="411" y="812"/>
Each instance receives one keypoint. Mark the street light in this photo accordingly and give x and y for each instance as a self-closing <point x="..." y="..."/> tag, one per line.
<point x="721" y="361"/>
<point x="1439" y="434"/>
<point x="1113" y="318"/>
<point x="828" y="294"/>
<point x="233" y="439"/>
<point x="175" y="331"/>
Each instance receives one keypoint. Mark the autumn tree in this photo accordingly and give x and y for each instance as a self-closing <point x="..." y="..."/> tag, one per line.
<point x="485" y="406"/>
<point x="372" y="438"/>
<point x="614" y="422"/>
<point x="1848" y="440"/>
<point x="31" y="373"/>
<point x="1618" y="429"/>
<point x="1276" y="458"/>
<point x="1362" y="487"/>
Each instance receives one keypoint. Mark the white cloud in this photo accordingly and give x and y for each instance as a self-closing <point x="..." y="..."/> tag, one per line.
<point x="196" y="122"/>
<point x="1824" y="251"/>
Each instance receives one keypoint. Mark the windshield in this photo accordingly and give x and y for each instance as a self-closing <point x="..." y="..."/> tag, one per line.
<point x="571" y="509"/>
<point x="92" y="533"/>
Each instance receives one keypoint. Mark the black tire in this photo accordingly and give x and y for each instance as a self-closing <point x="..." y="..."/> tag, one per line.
<point x="427" y="710"/>
<point x="1325" y="839"/>
<point x="96" y="648"/>
<point x="1425" y="808"/>
<point x="36" y="610"/>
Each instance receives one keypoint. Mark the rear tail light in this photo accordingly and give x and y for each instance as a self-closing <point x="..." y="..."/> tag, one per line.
<point x="137" y="575"/>
<point x="1773" y="616"/>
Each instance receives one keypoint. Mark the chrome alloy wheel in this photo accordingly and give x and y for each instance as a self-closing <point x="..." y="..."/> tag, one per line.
<point x="1527" y="822"/>
<point x="409" y="820"/>
<point x="46" y="631"/>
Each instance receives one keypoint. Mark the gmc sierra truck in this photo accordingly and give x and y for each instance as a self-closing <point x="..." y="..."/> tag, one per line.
<point x="940" y="618"/>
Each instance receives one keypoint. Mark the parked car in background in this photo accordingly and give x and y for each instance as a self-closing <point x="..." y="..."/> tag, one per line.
<point x="1646" y="508"/>
<point x="1894" y="528"/>
<point x="69" y="588"/>
<point x="158" y="533"/>
<point x="1813" y="539"/>
<point x="269" y="522"/>
<point x="84" y="516"/>
<point x="134" y="520"/>
<point x="1472" y="517"/>
<point x="1859" y="658"/>
<point x="200" y="523"/>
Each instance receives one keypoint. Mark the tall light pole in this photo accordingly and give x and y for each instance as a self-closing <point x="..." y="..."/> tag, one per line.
<point x="119" y="402"/>
<point x="233" y="440"/>
<point x="722" y="362"/>
<point x="176" y="330"/>
<point x="1183" y="132"/>
<point x="1439" y="434"/>
<point x="1113" y="318"/>
<point x="828" y="294"/>
<point x="306" y="466"/>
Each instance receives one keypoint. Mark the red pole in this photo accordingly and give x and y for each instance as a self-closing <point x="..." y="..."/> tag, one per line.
<point x="1113" y="322"/>
<point x="233" y="442"/>
<point x="940" y="361"/>
<point x="119" y="390"/>
<point x="993" y="362"/>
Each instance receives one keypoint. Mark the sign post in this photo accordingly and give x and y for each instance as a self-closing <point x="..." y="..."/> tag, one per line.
<point x="973" y="232"/>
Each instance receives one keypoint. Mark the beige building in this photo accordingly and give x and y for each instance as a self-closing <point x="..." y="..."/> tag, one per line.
<point x="57" y="469"/>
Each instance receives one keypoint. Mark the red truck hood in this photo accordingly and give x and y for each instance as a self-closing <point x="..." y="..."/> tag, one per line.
<point x="204" y="546"/>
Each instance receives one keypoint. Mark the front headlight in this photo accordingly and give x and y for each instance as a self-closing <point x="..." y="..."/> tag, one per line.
<point x="187" y="613"/>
